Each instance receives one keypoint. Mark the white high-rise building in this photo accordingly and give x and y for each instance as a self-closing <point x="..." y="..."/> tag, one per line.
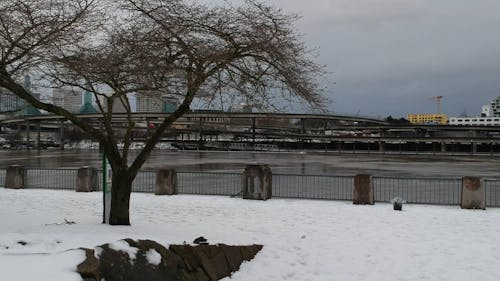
<point x="10" y="102"/>
<point x="147" y="102"/>
<point x="486" y="111"/>
<point x="154" y="102"/>
<point x="495" y="107"/>
<point x="68" y="99"/>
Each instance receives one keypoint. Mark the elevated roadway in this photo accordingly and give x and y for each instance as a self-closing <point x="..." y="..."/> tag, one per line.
<point x="282" y="128"/>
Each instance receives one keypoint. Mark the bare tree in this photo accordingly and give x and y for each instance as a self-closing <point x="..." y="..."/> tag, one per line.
<point x="177" y="48"/>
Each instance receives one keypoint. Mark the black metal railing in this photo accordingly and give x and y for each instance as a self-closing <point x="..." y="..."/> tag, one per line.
<point x="208" y="183"/>
<point x="313" y="186"/>
<point x="3" y="173"/>
<point x="492" y="192"/>
<point x="441" y="191"/>
<point x="51" y="178"/>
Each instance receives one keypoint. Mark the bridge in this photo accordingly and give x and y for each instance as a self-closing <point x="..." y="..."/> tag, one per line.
<point x="264" y="131"/>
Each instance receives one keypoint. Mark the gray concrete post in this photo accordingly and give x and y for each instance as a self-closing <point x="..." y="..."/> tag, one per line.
<point x="15" y="177"/>
<point x="87" y="179"/>
<point x="166" y="182"/>
<point x="474" y="147"/>
<point x="473" y="194"/>
<point x="381" y="146"/>
<point x="363" y="190"/>
<point x="257" y="182"/>
<point x="443" y="147"/>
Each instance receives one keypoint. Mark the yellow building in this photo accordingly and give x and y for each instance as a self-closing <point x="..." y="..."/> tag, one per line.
<point x="419" y="119"/>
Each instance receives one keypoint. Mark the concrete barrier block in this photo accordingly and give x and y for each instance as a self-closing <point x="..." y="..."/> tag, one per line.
<point x="166" y="182"/>
<point x="473" y="194"/>
<point x="257" y="182"/>
<point x="87" y="179"/>
<point x="15" y="177"/>
<point x="363" y="190"/>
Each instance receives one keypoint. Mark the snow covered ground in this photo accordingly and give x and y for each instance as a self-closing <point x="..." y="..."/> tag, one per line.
<point x="303" y="239"/>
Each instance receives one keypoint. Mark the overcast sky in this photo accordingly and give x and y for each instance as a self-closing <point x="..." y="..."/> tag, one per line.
<point x="390" y="57"/>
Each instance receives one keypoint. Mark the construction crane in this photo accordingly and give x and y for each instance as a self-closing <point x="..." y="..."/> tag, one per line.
<point x="438" y="102"/>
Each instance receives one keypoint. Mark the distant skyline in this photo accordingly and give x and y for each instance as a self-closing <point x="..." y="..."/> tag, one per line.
<point x="390" y="57"/>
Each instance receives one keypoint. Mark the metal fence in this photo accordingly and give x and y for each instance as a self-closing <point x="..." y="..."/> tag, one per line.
<point x="313" y="187"/>
<point x="418" y="190"/>
<point x="208" y="183"/>
<point x="492" y="192"/>
<point x="144" y="181"/>
<point x="3" y="173"/>
<point x="51" y="178"/>
<point x="442" y="191"/>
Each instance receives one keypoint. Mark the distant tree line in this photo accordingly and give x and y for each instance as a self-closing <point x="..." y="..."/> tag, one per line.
<point x="400" y="121"/>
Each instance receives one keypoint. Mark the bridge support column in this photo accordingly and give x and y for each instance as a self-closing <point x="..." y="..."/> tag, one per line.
<point x="148" y="129"/>
<point x="253" y="130"/>
<point x="61" y="135"/>
<point x="27" y="134"/>
<point x="474" y="147"/>
<point x="38" y="137"/>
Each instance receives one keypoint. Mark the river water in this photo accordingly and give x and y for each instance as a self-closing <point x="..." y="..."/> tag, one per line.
<point x="308" y="163"/>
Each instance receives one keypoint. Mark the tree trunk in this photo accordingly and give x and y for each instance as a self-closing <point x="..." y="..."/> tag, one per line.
<point x="120" y="198"/>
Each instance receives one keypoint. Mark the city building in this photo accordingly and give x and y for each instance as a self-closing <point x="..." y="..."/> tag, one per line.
<point x="154" y="102"/>
<point x="146" y="102"/>
<point x="88" y="104"/>
<point x="490" y="116"/>
<point x="475" y="121"/>
<point x="68" y="99"/>
<point x="486" y="111"/>
<point x="495" y="107"/>
<point x="428" y="119"/>
<point x="10" y="102"/>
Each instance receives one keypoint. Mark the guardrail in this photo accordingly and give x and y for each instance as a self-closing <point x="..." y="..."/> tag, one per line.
<point x="440" y="191"/>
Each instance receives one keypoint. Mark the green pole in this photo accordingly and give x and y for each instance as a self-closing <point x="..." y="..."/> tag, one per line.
<point x="104" y="180"/>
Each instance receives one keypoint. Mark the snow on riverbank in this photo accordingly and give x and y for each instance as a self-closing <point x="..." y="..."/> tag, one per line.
<point x="87" y="144"/>
<point x="303" y="239"/>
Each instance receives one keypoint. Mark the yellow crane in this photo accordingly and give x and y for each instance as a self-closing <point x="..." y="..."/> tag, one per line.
<point x="438" y="102"/>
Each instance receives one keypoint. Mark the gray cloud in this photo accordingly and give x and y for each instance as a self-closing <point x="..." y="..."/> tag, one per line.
<point x="391" y="56"/>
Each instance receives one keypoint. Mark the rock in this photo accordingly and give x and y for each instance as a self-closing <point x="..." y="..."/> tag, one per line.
<point x="249" y="252"/>
<point x="89" y="268"/>
<point x="233" y="256"/>
<point x="179" y="262"/>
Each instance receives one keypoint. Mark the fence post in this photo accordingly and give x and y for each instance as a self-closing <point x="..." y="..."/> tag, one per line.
<point x="87" y="179"/>
<point x="381" y="146"/>
<point x="473" y="194"/>
<point x="166" y="182"/>
<point x="363" y="190"/>
<point x="257" y="182"/>
<point x="15" y="177"/>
